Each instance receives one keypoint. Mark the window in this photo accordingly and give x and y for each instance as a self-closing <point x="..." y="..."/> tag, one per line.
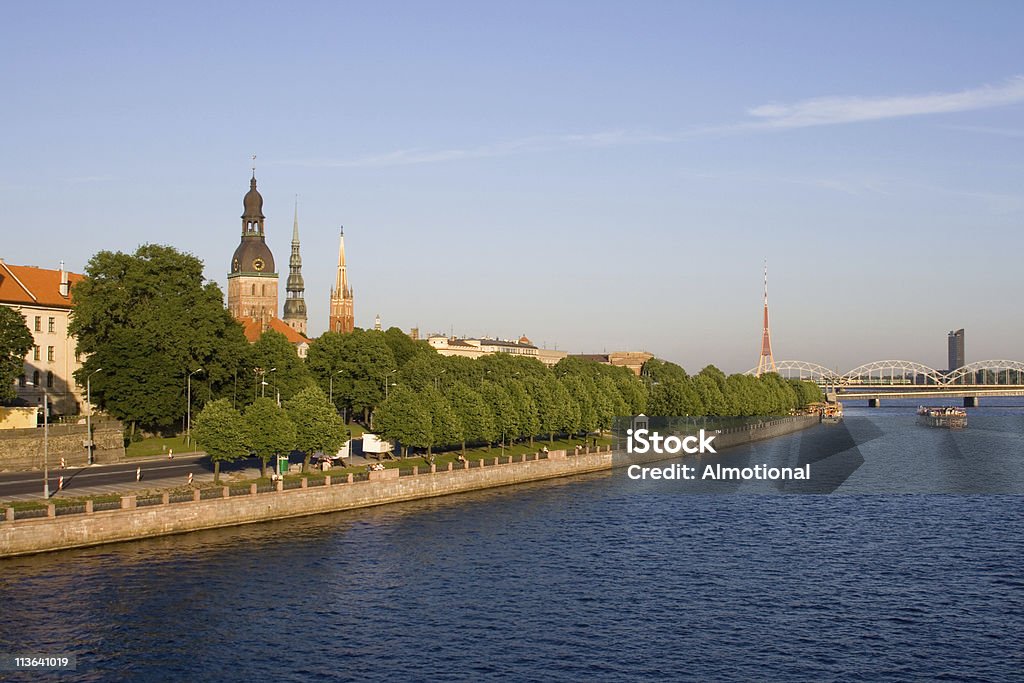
<point x="50" y="354"/>
<point x="78" y="356"/>
<point x="35" y="378"/>
<point x="49" y="379"/>
<point x="35" y="353"/>
<point x="21" y="380"/>
<point x="52" y="325"/>
<point x="39" y="324"/>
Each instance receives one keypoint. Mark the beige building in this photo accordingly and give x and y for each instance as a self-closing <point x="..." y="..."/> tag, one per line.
<point x="43" y="297"/>
<point x="474" y="348"/>
<point x="550" y="357"/>
<point x="634" y="360"/>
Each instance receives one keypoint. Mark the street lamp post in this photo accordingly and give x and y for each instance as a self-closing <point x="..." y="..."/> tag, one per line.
<point x="188" y="408"/>
<point x="88" y="418"/>
<point x="46" y="449"/>
<point x="263" y="384"/>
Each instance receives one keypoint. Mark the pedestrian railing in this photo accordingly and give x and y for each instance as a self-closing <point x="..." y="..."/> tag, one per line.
<point x="288" y="484"/>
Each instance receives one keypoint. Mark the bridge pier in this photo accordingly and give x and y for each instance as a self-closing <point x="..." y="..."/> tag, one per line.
<point x="874" y="402"/>
<point x="972" y="401"/>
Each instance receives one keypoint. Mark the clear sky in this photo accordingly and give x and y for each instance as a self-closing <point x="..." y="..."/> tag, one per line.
<point x="598" y="176"/>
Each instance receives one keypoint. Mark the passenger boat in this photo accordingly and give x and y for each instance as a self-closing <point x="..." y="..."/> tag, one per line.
<point x="832" y="413"/>
<point x="946" y="417"/>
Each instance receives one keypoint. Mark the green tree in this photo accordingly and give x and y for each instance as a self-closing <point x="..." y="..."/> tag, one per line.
<point x="582" y="395"/>
<point x="273" y="351"/>
<point x="527" y="420"/>
<point x="149" y="319"/>
<point x="506" y="418"/>
<point x="403" y="347"/>
<point x="473" y="413"/>
<point x="422" y="371"/>
<point x="324" y="362"/>
<point x="220" y="430"/>
<point x="317" y="425"/>
<point x="404" y="417"/>
<point x="445" y="428"/>
<point x="15" y="342"/>
<point x="268" y="431"/>
<point x="366" y="365"/>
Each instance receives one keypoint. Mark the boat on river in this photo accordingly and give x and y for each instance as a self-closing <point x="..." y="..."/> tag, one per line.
<point x="944" y="417"/>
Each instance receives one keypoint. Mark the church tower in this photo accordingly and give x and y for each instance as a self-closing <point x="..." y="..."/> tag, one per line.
<point x="295" y="303"/>
<point x="342" y="318"/>
<point x="252" y="282"/>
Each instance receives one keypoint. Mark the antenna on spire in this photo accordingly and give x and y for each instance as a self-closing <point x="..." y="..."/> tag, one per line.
<point x="253" y="165"/>
<point x="343" y="231"/>
<point x="766" y="282"/>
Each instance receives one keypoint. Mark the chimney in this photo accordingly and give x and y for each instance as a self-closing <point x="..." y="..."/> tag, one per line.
<point x="65" y="286"/>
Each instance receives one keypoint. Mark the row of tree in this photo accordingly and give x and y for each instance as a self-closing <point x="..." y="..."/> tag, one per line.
<point x="151" y="322"/>
<point x="711" y="393"/>
<point x="306" y="422"/>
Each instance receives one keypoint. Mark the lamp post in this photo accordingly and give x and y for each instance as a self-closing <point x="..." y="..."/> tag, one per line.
<point x="88" y="418"/>
<point x="387" y="381"/>
<point x="46" y="449"/>
<point x="188" y="408"/>
<point x="263" y="384"/>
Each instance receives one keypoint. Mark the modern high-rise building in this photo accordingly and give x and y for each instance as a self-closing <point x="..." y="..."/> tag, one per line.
<point x="956" y="349"/>
<point x="342" y="317"/>
<point x="295" y="303"/>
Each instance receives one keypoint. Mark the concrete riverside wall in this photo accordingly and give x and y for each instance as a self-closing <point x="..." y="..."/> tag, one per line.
<point x="22" y="449"/>
<point x="23" y="537"/>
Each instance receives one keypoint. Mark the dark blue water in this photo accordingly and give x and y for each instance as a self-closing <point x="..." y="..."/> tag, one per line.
<point x="590" y="578"/>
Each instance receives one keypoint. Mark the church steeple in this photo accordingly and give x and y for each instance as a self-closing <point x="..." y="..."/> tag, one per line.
<point x="342" y="318"/>
<point x="295" y="304"/>
<point x="252" y="279"/>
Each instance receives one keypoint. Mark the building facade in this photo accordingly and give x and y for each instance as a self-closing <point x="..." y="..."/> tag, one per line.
<point x="955" y="349"/>
<point x="474" y="348"/>
<point x="342" y="317"/>
<point x="43" y="297"/>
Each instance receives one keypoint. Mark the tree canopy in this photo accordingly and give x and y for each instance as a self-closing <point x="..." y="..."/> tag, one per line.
<point x="15" y="342"/>
<point x="220" y="431"/>
<point x="149" y="320"/>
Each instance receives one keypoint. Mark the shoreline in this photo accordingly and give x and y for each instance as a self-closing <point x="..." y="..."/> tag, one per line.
<point x="31" y="536"/>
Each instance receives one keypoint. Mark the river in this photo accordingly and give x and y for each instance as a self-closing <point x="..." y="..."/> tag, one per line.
<point x="904" y="564"/>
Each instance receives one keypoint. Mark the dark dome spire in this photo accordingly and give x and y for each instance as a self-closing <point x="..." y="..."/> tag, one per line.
<point x="253" y="202"/>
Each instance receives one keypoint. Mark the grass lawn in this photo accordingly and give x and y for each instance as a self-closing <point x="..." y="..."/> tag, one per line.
<point x="158" y="445"/>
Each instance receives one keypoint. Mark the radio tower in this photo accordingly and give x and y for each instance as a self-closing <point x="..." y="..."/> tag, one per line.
<point x="766" y="363"/>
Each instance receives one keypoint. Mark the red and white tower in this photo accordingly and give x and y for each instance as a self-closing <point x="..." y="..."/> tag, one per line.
<point x="766" y="363"/>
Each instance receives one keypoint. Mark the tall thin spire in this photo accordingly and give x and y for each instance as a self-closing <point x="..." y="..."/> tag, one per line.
<point x="766" y="363"/>
<point x="342" y="318"/>
<point x="295" y="304"/>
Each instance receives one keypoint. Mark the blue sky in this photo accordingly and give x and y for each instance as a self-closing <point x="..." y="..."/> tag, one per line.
<point x="598" y="176"/>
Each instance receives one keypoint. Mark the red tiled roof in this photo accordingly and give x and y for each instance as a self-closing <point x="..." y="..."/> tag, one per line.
<point x="31" y="286"/>
<point x="254" y="330"/>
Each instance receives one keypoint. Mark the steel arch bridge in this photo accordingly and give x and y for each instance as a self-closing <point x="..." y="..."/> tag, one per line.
<point x="990" y="373"/>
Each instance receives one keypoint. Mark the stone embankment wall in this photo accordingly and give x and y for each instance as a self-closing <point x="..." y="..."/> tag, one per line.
<point x="22" y="449"/>
<point x="28" y="536"/>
